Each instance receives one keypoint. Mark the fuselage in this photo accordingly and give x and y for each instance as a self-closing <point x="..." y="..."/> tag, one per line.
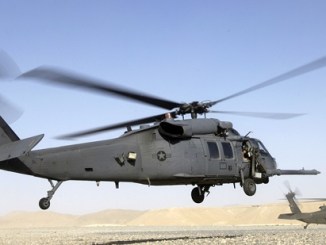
<point x="318" y="217"/>
<point x="142" y="156"/>
<point x="200" y="152"/>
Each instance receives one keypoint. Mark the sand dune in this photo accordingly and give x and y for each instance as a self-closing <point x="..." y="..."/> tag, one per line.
<point x="215" y="216"/>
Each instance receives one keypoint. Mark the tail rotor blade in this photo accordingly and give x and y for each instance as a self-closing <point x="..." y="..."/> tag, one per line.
<point x="8" y="111"/>
<point x="8" y="67"/>
<point x="288" y="186"/>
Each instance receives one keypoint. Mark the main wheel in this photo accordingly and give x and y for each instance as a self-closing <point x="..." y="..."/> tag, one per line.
<point x="197" y="195"/>
<point x="249" y="187"/>
<point x="44" y="203"/>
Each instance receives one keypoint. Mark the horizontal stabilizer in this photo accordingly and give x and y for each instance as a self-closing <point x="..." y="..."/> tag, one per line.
<point x="292" y="172"/>
<point x="287" y="216"/>
<point x="18" y="148"/>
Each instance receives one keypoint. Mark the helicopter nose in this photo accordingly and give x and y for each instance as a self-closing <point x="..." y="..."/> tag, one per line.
<point x="275" y="163"/>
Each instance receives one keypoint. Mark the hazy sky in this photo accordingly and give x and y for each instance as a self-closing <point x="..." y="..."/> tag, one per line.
<point x="179" y="50"/>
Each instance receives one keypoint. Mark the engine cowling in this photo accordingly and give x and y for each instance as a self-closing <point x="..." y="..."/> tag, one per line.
<point x="187" y="128"/>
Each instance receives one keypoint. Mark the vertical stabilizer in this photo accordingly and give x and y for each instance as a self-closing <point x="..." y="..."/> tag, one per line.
<point x="292" y="203"/>
<point x="6" y="133"/>
<point x="11" y="146"/>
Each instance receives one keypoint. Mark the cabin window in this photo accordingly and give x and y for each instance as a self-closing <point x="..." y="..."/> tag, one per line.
<point x="227" y="149"/>
<point x="213" y="150"/>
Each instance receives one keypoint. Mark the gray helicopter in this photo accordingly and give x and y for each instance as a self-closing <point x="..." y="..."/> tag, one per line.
<point x="317" y="217"/>
<point x="201" y="152"/>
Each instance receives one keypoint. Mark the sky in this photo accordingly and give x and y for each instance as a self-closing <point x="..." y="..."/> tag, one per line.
<point x="179" y="50"/>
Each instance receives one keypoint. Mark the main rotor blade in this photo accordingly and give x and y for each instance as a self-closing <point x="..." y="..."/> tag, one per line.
<point x="317" y="64"/>
<point x="115" y="126"/>
<point x="269" y="115"/>
<point x="63" y="77"/>
<point x="313" y="199"/>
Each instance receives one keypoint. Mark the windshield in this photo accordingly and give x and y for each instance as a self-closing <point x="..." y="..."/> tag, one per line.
<point x="262" y="148"/>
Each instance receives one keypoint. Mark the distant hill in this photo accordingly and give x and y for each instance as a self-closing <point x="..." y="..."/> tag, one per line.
<point x="215" y="216"/>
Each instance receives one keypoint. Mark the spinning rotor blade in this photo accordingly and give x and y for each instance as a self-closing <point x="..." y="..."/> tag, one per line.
<point x="57" y="76"/>
<point x="269" y="115"/>
<point x="194" y="108"/>
<point x="288" y="186"/>
<point x="8" y="111"/>
<point x="8" y="67"/>
<point x="63" y="77"/>
<point x="115" y="126"/>
<point x="313" y="199"/>
<point x="317" y="64"/>
<point x="8" y="71"/>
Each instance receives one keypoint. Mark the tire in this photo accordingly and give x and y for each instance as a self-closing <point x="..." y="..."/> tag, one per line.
<point x="249" y="187"/>
<point x="197" y="195"/>
<point x="44" y="203"/>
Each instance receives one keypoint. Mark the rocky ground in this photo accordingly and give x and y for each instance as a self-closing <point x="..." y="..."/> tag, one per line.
<point x="166" y="235"/>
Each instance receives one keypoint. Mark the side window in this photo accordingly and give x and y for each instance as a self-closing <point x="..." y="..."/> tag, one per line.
<point x="213" y="150"/>
<point x="227" y="149"/>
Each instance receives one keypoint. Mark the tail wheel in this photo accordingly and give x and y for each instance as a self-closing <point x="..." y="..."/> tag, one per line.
<point x="44" y="203"/>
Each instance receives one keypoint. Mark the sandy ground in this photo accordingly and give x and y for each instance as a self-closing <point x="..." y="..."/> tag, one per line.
<point x="166" y="235"/>
<point x="186" y="217"/>
<point x="221" y="225"/>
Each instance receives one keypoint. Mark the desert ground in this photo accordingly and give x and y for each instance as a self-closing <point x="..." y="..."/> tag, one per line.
<point x="165" y="235"/>
<point x="217" y="225"/>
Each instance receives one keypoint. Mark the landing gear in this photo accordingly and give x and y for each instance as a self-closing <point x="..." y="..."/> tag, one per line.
<point x="198" y="193"/>
<point x="249" y="187"/>
<point x="44" y="203"/>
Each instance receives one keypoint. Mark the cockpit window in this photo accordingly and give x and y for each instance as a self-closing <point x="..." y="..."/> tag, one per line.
<point x="227" y="149"/>
<point x="213" y="150"/>
<point x="262" y="148"/>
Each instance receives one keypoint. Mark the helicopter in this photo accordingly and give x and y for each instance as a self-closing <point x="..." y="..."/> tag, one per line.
<point x="317" y="217"/>
<point x="164" y="150"/>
